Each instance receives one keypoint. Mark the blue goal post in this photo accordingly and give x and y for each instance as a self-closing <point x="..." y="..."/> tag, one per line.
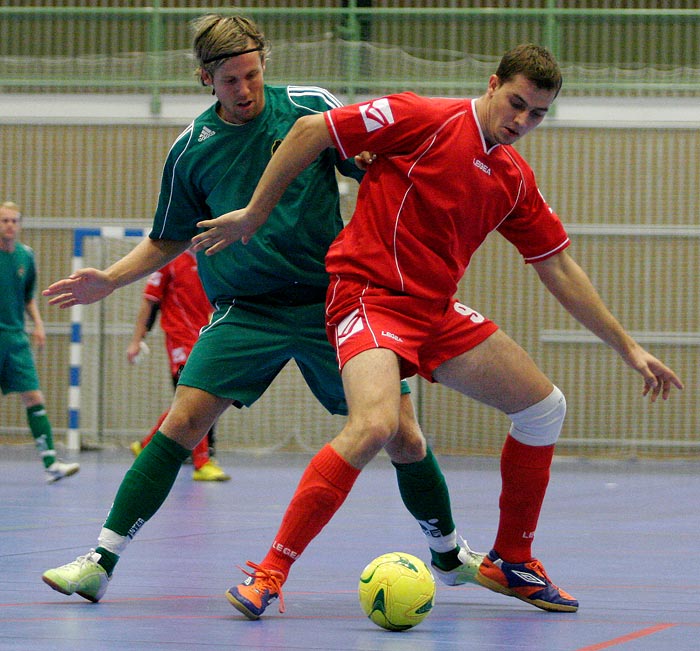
<point x="76" y="318"/>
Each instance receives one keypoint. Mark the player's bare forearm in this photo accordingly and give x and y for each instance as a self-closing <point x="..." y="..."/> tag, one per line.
<point x="571" y="286"/>
<point x="39" y="333"/>
<point x="306" y="140"/>
<point x="145" y="258"/>
<point x="89" y="285"/>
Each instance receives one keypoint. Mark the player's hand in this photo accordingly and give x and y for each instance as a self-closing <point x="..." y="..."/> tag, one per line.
<point x="364" y="159"/>
<point x="225" y="230"/>
<point x="659" y="379"/>
<point x="132" y="351"/>
<point x="82" y="287"/>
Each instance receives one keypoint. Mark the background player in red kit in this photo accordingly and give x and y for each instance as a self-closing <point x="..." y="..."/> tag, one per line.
<point x="444" y="178"/>
<point x="177" y="293"/>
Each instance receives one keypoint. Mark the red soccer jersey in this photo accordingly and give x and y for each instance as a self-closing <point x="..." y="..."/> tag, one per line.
<point x="433" y="195"/>
<point x="184" y="308"/>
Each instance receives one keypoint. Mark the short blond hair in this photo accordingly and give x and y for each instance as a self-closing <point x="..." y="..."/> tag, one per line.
<point x="11" y="205"/>
<point x="216" y="36"/>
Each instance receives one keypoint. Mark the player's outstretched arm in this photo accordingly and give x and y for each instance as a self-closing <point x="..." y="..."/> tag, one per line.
<point x="305" y="141"/>
<point x="567" y="281"/>
<point x="89" y="285"/>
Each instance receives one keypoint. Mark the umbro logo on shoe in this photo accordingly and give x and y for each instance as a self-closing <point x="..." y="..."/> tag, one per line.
<point x="205" y="133"/>
<point x="529" y="577"/>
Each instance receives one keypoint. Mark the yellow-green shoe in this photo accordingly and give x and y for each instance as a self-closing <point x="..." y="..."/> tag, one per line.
<point x="210" y="471"/>
<point x="464" y="573"/>
<point x="84" y="576"/>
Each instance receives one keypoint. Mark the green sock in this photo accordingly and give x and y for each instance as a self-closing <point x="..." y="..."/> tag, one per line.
<point x="424" y="492"/>
<point x="143" y="490"/>
<point x="446" y="560"/>
<point x="107" y="559"/>
<point x="40" y="427"/>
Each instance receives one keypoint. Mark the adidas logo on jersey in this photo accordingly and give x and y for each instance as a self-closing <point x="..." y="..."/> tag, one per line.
<point x="205" y="133"/>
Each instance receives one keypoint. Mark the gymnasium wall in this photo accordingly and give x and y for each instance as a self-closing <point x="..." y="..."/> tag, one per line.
<point x="92" y="94"/>
<point x="627" y="196"/>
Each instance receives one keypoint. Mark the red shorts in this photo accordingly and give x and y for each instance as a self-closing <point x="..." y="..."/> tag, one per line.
<point x="423" y="333"/>
<point x="177" y="355"/>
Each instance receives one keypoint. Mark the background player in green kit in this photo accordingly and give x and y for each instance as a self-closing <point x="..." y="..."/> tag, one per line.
<point x="17" y="370"/>
<point x="268" y="298"/>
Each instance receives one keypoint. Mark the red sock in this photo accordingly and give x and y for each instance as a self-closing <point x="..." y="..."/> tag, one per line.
<point x="200" y="454"/>
<point x="524" y="476"/>
<point x="322" y="489"/>
<point x="147" y="439"/>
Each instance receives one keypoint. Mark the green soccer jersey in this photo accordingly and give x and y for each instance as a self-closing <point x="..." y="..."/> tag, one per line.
<point x="213" y="167"/>
<point x="17" y="282"/>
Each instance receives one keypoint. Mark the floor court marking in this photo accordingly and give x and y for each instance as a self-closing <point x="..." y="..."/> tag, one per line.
<point x="627" y="638"/>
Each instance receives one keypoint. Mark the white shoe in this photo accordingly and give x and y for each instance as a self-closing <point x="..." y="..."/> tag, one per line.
<point x="464" y="573"/>
<point x="60" y="469"/>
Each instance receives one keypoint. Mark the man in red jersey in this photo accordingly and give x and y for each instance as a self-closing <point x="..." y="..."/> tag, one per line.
<point x="445" y="176"/>
<point x="177" y="293"/>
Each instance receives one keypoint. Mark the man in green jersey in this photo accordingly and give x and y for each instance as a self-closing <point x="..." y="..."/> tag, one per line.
<point x="268" y="297"/>
<point x="17" y="370"/>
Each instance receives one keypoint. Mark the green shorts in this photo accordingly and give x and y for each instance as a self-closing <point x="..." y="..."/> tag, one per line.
<point x="245" y="346"/>
<point x="17" y="369"/>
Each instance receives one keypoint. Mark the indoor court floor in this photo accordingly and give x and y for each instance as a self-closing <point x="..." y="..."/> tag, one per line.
<point x="622" y="537"/>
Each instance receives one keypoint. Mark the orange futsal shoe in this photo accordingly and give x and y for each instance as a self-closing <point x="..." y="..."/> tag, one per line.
<point x="255" y="593"/>
<point x="526" y="581"/>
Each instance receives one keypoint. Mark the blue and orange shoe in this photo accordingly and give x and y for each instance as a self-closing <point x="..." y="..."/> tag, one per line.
<point x="255" y="593"/>
<point x="526" y="581"/>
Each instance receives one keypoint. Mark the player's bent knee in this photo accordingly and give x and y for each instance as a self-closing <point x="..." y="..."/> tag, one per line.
<point x="371" y="434"/>
<point x="541" y="423"/>
<point x="407" y="446"/>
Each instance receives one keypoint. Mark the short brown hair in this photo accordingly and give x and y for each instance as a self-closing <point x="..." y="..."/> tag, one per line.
<point x="535" y="63"/>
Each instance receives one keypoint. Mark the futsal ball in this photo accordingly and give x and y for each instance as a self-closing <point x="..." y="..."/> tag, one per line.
<point x="397" y="591"/>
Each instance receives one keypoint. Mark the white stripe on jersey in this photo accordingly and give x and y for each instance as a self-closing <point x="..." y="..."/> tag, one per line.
<point x="336" y="137"/>
<point x="186" y="133"/>
<point x="312" y="91"/>
<point x="556" y="249"/>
